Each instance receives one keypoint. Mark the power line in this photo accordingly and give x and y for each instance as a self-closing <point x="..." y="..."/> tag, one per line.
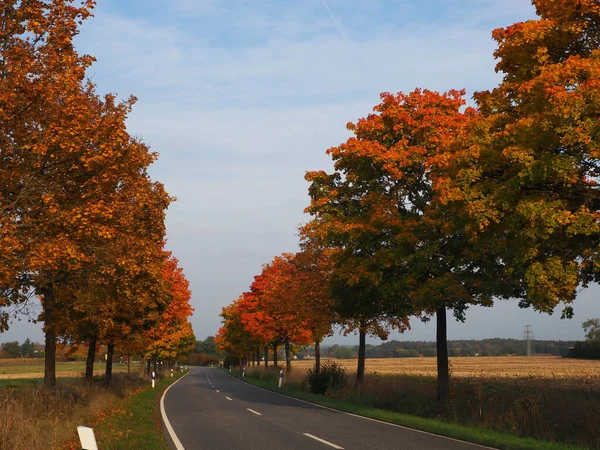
<point x="528" y="336"/>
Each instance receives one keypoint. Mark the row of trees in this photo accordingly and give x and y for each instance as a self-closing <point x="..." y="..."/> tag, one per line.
<point x="287" y="305"/>
<point x="81" y="221"/>
<point x="433" y="207"/>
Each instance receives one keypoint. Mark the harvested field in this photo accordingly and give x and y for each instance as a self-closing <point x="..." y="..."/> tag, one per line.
<point x="547" y="367"/>
<point x="546" y="397"/>
<point x="11" y="369"/>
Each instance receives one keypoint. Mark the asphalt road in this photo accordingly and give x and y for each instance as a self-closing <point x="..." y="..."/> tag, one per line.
<point x="209" y="409"/>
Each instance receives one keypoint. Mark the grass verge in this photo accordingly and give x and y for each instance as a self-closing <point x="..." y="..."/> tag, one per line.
<point x="135" y="423"/>
<point x="470" y="434"/>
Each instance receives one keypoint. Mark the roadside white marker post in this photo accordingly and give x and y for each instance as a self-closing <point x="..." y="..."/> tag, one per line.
<point x="280" y="377"/>
<point x="171" y="373"/>
<point x="153" y="377"/>
<point x="87" y="438"/>
<point x="229" y="369"/>
<point x="243" y="371"/>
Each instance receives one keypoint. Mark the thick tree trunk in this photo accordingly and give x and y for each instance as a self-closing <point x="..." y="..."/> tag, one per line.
<point x="148" y="367"/>
<point x="443" y="390"/>
<point x="288" y="361"/>
<point x="50" y="340"/>
<point x="318" y="357"/>
<point x="109" y="358"/>
<point x="275" y="356"/>
<point x="91" y="357"/>
<point x="360" y="372"/>
<point x="266" y="356"/>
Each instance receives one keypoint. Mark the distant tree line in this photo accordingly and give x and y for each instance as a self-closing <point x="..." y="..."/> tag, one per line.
<point x="27" y="349"/>
<point x="205" y="353"/>
<point x="590" y="348"/>
<point x="484" y="347"/>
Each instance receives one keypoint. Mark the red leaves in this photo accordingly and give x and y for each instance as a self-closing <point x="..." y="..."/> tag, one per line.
<point x="287" y="303"/>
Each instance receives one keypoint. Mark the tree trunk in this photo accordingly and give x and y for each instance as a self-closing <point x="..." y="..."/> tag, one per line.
<point x="50" y="340"/>
<point x="318" y="357"/>
<point x="257" y="357"/>
<point x="156" y="367"/>
<point x="89" y="362"/>
<point x="267" y="356"/>
<point x="109" y="358"/>
<point x="128" y="364"/>
<point x="360" y="372"/>
<point x="148" y="368"/>
<point x="275" y="358"/>
<point x="288" y="361"/>
<point x="442" y="357"/>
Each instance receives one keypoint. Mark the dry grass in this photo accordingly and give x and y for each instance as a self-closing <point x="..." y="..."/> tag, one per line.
<point x="36" y="420"/>
<point x="551" y="398"/>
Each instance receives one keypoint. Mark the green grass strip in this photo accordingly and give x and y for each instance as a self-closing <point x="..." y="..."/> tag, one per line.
<point x="135" y="422"/>
<point x="18" y="382"/>
<point x="462" y="432"/>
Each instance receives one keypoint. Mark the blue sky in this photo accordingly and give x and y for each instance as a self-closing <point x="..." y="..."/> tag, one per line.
<point x="240" y="98"/>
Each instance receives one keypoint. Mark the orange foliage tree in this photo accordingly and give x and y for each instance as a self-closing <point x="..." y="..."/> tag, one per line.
<point x="233" y="338"/>
<point x="310" y="293"/>
<point x="527" y="172"/>
<point x="172" y="336"/>
<point x="397" y="250"/>
<point x="268" y="311"/>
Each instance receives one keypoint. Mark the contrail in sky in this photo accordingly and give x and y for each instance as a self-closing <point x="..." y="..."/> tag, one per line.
<point x="335" y="21"/>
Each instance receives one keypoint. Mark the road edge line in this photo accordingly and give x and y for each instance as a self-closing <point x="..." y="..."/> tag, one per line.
<point x="165" y="419"/>
<point x="364" y="417"/>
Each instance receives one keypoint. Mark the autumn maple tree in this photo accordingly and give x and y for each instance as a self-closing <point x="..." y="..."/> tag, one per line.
<point x="398" y="250"/>
<point x="527" y="172"/>
<point x="310" y="292"/>
<point x="232" y="338"/>
<point x="172" y="336"/>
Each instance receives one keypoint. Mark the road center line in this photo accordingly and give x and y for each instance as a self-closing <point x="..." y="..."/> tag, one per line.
<point x="218" y="391"/>
<point x="228" y="398"/>
<point x="323" y="441"/>
<point x="254" y="412"/>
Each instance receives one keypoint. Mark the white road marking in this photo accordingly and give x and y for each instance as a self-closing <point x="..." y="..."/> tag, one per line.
<point x="163" y="413"/>
<point x="228" y="398"/>
<point x="218" y="391"/>
<point x="323" y="441"/>
<point x="254" y="412"/>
